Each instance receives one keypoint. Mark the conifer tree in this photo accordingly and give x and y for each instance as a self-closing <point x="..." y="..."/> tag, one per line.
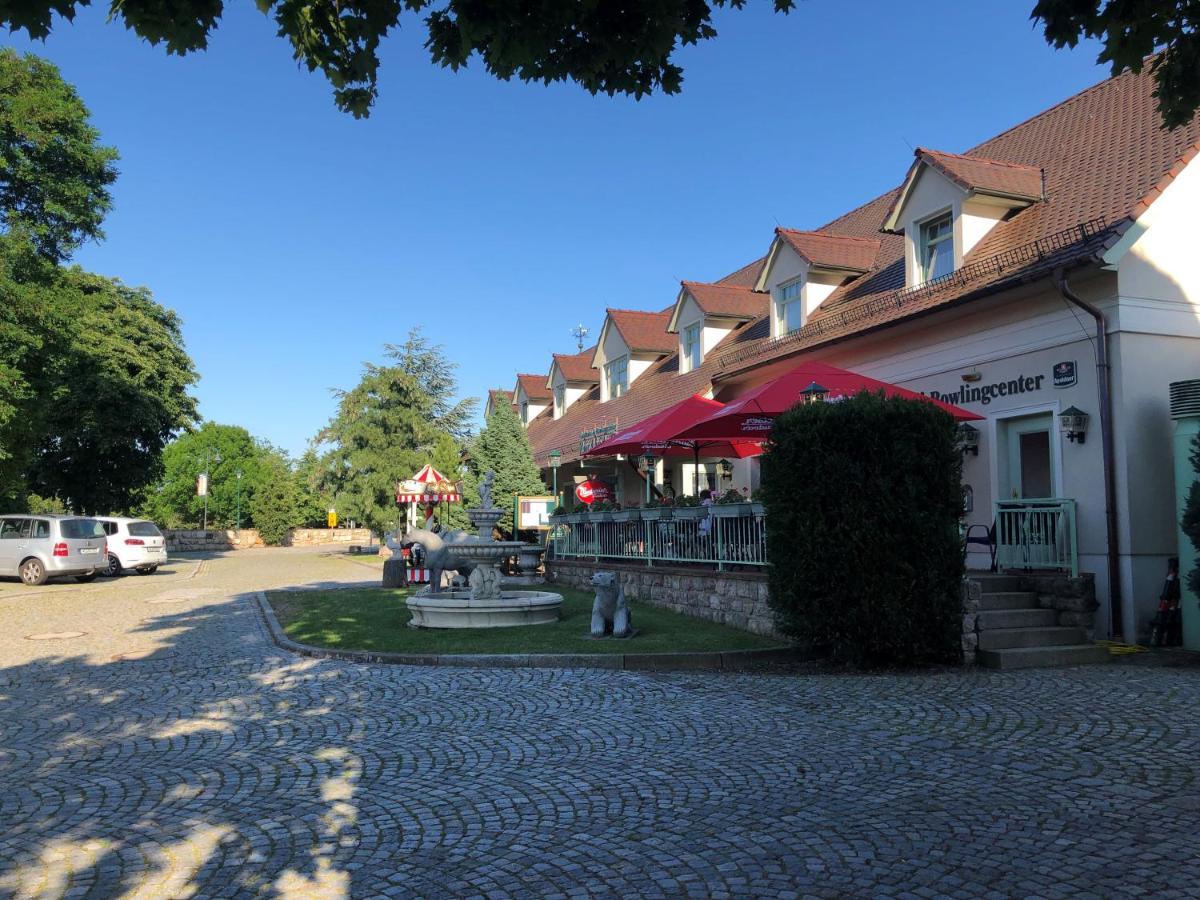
<point x="503" y="447"/>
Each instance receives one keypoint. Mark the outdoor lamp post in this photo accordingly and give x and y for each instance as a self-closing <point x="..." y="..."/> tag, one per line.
<point x="814" y="393"/>
<point x="968" y="439"/>
<point x="1073" y="422"/>
<point x="555" y="462"/>
<point x="210" y="456"/>
<point x="238" y="474"/>
<point x="649" y="461"/>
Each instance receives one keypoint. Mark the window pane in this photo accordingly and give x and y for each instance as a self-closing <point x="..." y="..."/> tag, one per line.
<point x="792" y="316"/>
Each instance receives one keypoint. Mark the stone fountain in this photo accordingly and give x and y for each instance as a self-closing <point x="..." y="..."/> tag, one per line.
<point x="485" y="604"/>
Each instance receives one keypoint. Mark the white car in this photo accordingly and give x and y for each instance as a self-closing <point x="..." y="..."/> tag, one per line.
<point x="132" y="544"/>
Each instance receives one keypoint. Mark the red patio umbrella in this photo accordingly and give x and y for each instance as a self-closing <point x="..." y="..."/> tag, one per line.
<point x="656" y="434"/>
<point x="752" y="415"/>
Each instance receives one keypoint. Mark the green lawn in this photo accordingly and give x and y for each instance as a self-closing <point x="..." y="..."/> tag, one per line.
<point x="376" y="619"/>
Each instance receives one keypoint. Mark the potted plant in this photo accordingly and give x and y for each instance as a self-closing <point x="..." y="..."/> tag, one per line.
<point x="658" y="508"/>
<point x="626" y="513"/>
<point x="688" y="507"/>
<point x="756" y="504"/>
<point x="602" y="510"/>
<point x="561" y="516"/>
<point x="732" y="504"/>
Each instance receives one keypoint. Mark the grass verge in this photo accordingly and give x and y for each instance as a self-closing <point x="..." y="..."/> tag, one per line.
<point x="376" y="619"/>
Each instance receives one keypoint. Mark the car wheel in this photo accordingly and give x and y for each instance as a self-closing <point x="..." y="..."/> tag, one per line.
<point x="113" y="569"/>
<point x="33" y="572"/>
<point x="86" y="578"/>
<point x="148" y="570"/>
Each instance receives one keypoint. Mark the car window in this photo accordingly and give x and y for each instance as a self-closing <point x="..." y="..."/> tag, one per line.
<point x="81" y="528"/>
<point x="41" y="528"/>
<point x="11" y="529"/>
<point x="144" y="529"/>
<point x="109" y="527"/>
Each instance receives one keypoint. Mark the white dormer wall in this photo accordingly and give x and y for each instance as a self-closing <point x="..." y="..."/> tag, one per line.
<point x="818" y="287"/>
<point x="933" y="195"/>
<point x="527" y="409"/>
<point x="786" y="266"/>
<point x="572" y="391"/>
<point x="611" y="346"/>
<point x="713" y="329"/>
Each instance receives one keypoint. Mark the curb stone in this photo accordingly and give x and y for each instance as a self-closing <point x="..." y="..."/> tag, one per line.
<point x="658" y="662"/>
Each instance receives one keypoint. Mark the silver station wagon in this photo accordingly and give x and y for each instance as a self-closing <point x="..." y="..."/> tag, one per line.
<point x="35" y="548"/>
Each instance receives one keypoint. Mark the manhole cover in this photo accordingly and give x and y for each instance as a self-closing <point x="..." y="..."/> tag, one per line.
<point x="55" y="636"/>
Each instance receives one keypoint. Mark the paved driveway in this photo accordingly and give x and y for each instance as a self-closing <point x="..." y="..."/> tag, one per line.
<point x="170" y="750"/>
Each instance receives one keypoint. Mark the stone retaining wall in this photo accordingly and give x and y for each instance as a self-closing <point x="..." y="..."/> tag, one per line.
<point x="738" y="599"/>
<point x="192" y="541"/>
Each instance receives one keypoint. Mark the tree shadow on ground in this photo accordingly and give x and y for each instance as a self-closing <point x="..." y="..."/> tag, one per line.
<point x="174" y="769"/>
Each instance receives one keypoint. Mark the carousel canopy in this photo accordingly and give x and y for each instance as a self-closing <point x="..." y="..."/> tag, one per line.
<point x="428" y="486"/>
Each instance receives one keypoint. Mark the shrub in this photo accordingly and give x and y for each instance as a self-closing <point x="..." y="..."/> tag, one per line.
<point x="862" y="500"/>
<point x="1190" y="523"/>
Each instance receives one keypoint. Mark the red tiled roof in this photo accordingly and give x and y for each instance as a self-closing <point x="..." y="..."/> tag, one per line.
<point x="644" y="332"/>
<point x="732" y="301"/>
<point x="534" y="386"/>
<point x="989" y="176"/>
<point x="1105" y="157"/>
<point x="578" y="366"/>
<point x="832" y="251"/>
<point x="746" y="276"/>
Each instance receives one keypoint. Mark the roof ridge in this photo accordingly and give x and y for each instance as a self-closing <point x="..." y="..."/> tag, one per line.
<point x="840" y="237"/>
<point x="717" y="284"/>
<point x="640" y="312"/>
<point x="987" y="159"/>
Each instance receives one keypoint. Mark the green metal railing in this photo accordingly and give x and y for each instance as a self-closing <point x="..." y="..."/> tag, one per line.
<point x="1037" y="534"/>
<point x="717" y="536"/>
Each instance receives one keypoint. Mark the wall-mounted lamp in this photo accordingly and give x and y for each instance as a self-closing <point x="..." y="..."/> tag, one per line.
<point x="1073" y="422"/>
<point x="814" y="393"/>
<point x="968" y="439"/>
<point x="725" y="467"/>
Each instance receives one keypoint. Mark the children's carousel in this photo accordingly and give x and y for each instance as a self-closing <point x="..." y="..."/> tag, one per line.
<point x="423" y="494"/>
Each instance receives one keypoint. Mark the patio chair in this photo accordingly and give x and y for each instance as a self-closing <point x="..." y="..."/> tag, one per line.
<point x="984" y="536"/>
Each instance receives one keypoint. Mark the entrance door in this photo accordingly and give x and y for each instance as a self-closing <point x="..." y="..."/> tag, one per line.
<point x="1029" y="468"/>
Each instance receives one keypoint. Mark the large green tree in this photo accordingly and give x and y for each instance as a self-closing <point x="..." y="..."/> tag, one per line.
<point x="606" y="47"/>
<point x="503" y="447"/>
<point x="54" y="172"/>
<point x="275" y="503"/>
<point x="117" y="395"/>
<point x="397" y="418"/>
<point x="225" y="450"/>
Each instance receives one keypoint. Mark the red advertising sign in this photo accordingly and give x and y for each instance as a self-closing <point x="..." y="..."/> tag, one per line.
<point x="593" y="491"/>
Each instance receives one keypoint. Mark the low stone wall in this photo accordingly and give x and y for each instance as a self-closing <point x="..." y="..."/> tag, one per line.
<point x="194" y="541"/>
<point x="738" y="599"/>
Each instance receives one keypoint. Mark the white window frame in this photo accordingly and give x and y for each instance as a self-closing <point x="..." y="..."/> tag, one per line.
<point x="785" y="299"/>
<point x="622" y="386"/>
<point x="924" y="245"/>
<point x="692" y="341"/>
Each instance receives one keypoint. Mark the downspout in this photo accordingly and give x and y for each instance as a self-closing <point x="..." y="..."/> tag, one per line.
<point x="1120" y="609"/>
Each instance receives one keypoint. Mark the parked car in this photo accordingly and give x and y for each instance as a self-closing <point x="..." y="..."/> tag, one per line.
<point x="38" y="547"/>
<point x="132" y="544"/>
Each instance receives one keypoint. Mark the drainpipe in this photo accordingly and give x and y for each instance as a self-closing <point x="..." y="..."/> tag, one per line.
<point x="1121" y="609"/>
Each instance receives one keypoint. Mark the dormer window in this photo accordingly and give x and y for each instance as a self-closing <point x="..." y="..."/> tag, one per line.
<point x="616" y="377"/>
<point x="560" y="399"/>
<point x="693" y="351"/>
<point x="937" y="247"/>
<point x="789" y="306"/>
<point x="525" y="412"/>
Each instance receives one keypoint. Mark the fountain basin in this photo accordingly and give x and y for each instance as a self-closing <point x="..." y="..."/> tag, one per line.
<point x="456" y="609"/>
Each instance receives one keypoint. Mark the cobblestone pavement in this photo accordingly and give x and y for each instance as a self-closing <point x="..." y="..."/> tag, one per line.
<point x="168" y="750"/>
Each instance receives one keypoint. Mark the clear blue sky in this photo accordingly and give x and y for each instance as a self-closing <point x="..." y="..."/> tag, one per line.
<point x="295" y="240"/>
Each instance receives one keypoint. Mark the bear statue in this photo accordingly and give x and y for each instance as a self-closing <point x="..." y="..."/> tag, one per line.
<point x="610" y="611"/>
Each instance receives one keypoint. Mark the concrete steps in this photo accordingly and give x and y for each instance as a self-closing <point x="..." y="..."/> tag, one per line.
<point x="1051" y="636"/>
<point x="1040" y="657"/>
<point x="1009" y="600"/>
<point x="1016" y="633"/>
<point x="1016" y="618"/>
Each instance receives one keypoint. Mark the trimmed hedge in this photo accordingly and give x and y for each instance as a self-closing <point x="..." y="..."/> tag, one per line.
<point x="863" y="498"/>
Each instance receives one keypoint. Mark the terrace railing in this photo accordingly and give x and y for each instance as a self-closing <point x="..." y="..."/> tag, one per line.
<point x="721" y="536"/>
<point x="1037" y="534"/>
